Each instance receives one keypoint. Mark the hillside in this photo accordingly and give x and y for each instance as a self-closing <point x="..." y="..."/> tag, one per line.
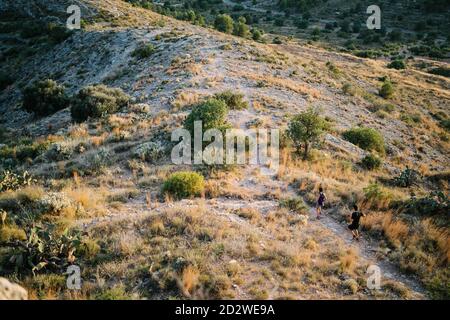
<point x="248" y="235"/>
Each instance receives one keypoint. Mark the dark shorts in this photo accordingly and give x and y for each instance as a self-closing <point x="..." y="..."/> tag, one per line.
<point x="353" y="226"/>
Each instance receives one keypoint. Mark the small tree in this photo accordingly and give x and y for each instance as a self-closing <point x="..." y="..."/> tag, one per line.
<point x="256" y="34"/>
<point x="240" y="28"/>
<point x="306" y="128"/>
<point x="211" y="112"/>
<point x="224" y="23"/>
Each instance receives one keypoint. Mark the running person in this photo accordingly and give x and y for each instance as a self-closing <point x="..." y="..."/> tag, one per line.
<point x="354" y="226"/>
<point x="320" y="202"/>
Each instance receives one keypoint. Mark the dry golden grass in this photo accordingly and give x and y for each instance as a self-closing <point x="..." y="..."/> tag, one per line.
<point x="395" y="230"/>
<point x="348" y="260"/>
<point x="185" y="99"/>
<point x="78" y="131"/>
<point x="92" y="200"/>
<point x="440" y="236"/>
<point x="189" y="280"/>
<point x="283" y="83"/>
<point x="98" y="140"/>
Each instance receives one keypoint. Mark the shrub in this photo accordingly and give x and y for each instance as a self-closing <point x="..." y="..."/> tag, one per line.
<point x="10" y="181"/>
<point x="241" y="29"/>
<point x="224" y="23"/>
<point x="234" y="101"/>
<point x="212" y="113"/>
<point x="347" y="88"/>
<point x="184" y="184"/>
<point x="407" y="178"/>
<point x="61" y="150"/>
<point x="433" y="204"/>
<point x="100" y="160"/>
<point x="387" y="90"/>
<point x="57" y="33"/>
<point x="55" y="203"/>
<point x="96" y="101"/>
<point x="366" y="138"/>
<point x="371" y="162"/>
<point x="44" y="98"/>
<point x="144" y="51"/>
<point x="277" y="40"/>
<point x="149" y="151"/>
<point x="294" y="204"/>
<point x="441" y="71"/>
<point x="306" y="128"/>
<point x="397" y="64"/>
<point x="256" y="34"/>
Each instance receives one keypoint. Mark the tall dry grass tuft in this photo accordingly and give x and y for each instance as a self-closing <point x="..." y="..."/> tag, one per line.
<point x="440" y="236"/>
<point x="189" y="280"/>
<point x="395" y="230"/>
<point x="348" y="260"/>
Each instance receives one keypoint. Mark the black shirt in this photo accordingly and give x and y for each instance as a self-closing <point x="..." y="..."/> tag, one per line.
<point x="356" y="215"/>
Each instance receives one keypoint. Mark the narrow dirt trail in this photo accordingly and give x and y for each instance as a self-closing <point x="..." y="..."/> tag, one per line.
<point x="367" y="250"/>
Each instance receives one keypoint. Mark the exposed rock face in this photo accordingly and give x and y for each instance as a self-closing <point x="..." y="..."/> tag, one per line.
<point x="12" y="291"/>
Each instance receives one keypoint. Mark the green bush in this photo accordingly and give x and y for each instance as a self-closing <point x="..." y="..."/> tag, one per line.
<point x="96" y="101"/>
<point x="234" y="101"/>
<point x="44" y="98"/>
<point x="305" y="129"/>
<point x="212" y="113"/>
<point x="256" y="34"/>
<point x="397" y="64"/>
<point x="240" y="28"/>
<point x="144" y="51"/>
<point x="371" y="162"/>
<point x="387" y="90"/>
<point x="224" y="23"/>
<point x="184" y="184"/>
<point x="366" y="138"/>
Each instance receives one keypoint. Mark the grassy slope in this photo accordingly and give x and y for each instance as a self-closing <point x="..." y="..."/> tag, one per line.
<point x="158" y="248"/>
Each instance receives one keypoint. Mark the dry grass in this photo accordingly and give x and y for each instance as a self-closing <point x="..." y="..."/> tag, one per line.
<point x="92" y="200"/>
<point x="189" y="280"/>
<point x="185" y="99"/>
<point x="348" y="260"/>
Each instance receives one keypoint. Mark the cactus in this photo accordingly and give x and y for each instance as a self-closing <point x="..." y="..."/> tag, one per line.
<point x="407" y="178"/>
<point x="10" y="181"/>
<point x="44" y="249"/>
